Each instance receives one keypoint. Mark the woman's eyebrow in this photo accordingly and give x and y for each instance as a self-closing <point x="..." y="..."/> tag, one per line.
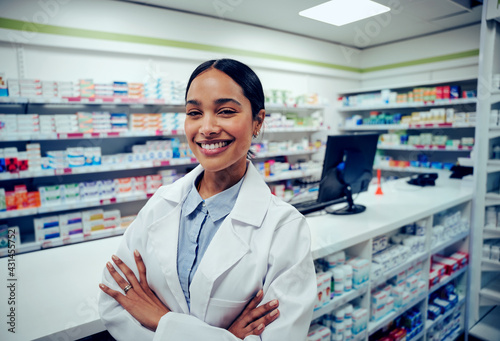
<point x="193" y="102"/>
<point x="226" y="100"/>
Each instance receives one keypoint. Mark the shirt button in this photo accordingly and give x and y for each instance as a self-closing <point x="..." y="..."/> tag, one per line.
<point x="203" y="204"/>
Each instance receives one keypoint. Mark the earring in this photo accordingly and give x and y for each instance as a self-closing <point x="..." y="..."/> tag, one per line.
<point x="256" y="134"/>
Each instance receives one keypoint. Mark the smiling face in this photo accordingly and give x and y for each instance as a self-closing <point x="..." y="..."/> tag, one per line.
<point x="219" y="124"/>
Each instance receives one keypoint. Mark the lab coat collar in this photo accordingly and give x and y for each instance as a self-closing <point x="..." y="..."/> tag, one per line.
<point x="250" y="207"/>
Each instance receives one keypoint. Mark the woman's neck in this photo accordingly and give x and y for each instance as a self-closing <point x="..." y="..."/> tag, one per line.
<point x="213" y="183"/>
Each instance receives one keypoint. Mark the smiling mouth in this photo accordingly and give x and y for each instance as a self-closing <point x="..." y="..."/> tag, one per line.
<point x="216" y="145"/>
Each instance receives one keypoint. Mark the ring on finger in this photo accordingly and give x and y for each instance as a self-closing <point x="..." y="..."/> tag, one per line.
<point x="127" y="288"/>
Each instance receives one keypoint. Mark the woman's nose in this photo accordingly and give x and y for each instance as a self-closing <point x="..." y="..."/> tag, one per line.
<point x="209" y="125"/>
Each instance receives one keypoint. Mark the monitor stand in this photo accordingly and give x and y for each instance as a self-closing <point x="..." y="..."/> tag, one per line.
<point x="351" y="208"/>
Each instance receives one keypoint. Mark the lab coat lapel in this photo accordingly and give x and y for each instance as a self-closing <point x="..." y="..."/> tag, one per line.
<point x="163" y="235"/>
<point x="226" y="249"/>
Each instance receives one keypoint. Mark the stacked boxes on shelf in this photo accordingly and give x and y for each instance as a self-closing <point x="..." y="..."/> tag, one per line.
<point x="406" y="327"/>
<point x="417" y="95"/>
<point x="78" y="223"/>
<point x="337" y="275"/>
<point x="157" y="122"/>
<point x="344" y="323"/>
<point x="433" y="116"/>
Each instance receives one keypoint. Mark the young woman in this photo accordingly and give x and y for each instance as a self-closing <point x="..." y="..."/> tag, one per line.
<point x="205" y="251"/>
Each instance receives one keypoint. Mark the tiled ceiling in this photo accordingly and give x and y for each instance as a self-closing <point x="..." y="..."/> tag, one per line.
<point x="407" y="18"/>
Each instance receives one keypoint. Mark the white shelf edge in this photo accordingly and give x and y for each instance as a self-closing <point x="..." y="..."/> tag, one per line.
<point x="340" y="300"/>
<point x="409" y="105"/>
<point x="373" y="326"/>
<point x="489" y="233"/>
<point x="427" y="148"/>
<point x="431" y="323"/>
<point x="293" y="175"/>
<point x="72" y="206"/>
<point x="394" y="271"/>
<point x="100" y="168"/>
<point x="490" y="265"/>
<point x="453" y="240"/>
<point x="385" y="127"/>
<point x="448" y="279"/>
<point x="490" y="294"/>
<point x="411" y="169"/>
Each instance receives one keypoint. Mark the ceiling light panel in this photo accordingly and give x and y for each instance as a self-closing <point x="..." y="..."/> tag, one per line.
<point x="342" y="12"/>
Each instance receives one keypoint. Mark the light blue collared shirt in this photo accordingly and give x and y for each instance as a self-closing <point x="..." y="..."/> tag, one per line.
<point x="199" y="222"/>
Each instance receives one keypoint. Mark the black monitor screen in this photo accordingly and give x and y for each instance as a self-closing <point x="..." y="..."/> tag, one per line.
<point x="348" y="162"/>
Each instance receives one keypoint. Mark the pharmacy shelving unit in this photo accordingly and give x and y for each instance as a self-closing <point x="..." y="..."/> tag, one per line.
<point x="407" y="153"/>
<point x="115" y="143"/>
<point x="387" y="215"/>
<point x="400" y="205"/>
<point x="485" y="277"/>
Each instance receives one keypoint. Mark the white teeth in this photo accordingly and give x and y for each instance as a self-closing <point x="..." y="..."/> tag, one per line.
<point x="213" y="145"/>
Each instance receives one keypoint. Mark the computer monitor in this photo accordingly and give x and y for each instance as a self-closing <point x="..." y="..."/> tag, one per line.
<point x="347" y="170"/>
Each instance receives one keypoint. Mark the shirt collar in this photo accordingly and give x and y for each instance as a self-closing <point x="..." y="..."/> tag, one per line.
<point x="218" y="206"/>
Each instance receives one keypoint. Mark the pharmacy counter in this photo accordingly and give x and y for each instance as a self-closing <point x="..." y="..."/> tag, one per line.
<point x="55" y="290"/>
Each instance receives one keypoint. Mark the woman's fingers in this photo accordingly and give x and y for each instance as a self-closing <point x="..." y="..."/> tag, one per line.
<point x="257" y="327"/>
<point x="129" y="274"/>
<point x="116" y="276"/>
<point x="113" y="293"/>
<point x="141" y="267"/>
<point x="254" y="302"/>
<point x="256" y="314"/>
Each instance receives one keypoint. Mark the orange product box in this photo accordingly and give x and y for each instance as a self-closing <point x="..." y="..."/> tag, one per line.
<point x="10" y="200"/>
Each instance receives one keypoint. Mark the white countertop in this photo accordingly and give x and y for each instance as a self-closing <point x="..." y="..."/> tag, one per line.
<point x="56" y="289"/>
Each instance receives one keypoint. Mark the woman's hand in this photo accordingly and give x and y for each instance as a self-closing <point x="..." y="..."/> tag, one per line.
<point x="253" y="320"/>
<point x="140" y="301"/>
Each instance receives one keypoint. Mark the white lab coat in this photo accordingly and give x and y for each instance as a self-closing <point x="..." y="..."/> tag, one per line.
<point x="263" y="243"/>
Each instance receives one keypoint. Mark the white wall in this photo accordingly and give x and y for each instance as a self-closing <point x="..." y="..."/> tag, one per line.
<point x="441" y="44"/>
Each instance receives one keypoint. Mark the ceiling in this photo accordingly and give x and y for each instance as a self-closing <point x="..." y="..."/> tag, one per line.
<point x="407" y="18"/>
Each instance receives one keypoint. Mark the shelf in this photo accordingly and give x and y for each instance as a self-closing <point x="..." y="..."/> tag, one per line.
<point x="449" y="242"/>
<point x="72" y="206"/>
<point x="359" y="337"/>
<point x="431" y="323"/>
<point x="272" y="106"/>
<point x="447" y="279"/>
<point x="490" y="294"/>
<point x="438" y="103"/>
<point x="373" y="326"/>
<point x="294" y="174"/>
<point x="385" y="127"/>
<point x="489" y="233"/>
<point x="85" y="100"/>
<point x="495" y="96"/>
<point x="493" y="166"/>
<point x="487" y="327"/>
<point x="425" y="148"/>
<point x="394" y="271"/>
<point x="22" y="248"/>
<point x="490" y="265"/>
<point x="286" y="153"/>
<point x="98" y="169"/>
<point x="411" y="169"/>
<point x="82" y="238"/>
<point x="492" y="199"/>
<point x="75" y="136"/>
<point x="8" y="137"/>
<point x="339" y="301"/>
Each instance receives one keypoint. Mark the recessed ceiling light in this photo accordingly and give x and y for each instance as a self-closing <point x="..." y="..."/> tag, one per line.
<point x="341" y="12"/>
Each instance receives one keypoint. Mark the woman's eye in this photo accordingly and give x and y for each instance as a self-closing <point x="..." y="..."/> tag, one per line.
<point x="193" y="113"/>
<point x="227" y="112"/>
